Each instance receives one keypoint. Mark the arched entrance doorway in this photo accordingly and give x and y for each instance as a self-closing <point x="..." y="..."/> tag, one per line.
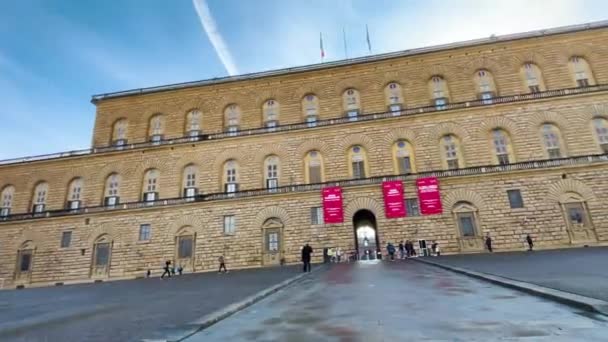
<point x="366" y="235"/>
<point x="272" y="233"/>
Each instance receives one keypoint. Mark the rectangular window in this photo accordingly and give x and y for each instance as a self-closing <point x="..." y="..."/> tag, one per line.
<point x="583" y="82"/>
<point x="576" y="214"/>
<point x="272" y="183"/>
<point x="38" y="208"/>
<point x="311" y="120"/>
<point x="358" y="170"/>
<point x="156" y="139"/>
<point x="405" y="165"/>
<point x="534" y="89"/>
<point x="271" y="125"/>
<point x="189" y="192"/>
<point x="120" y="142"/>
<point x="453" y="164"/>
<point x="314" y="174"/>
<point x="184" y="247"/>
<point x="5" y="212"/>
<point x="515" y="199"/>
<point x="150" y="196"/>
<point x="229" y="225"/>
<point x="273" y="241"/>
<point x="554" y="153"/>
<point x="352" y="115"/>
<point x="74" y="205"/>
<point x="503" y="159"/>
<point x="316" y="215"/>
<point x="441" y="103"/>
<point x="412" y="208"/>
<point x="487" y="97"/>
<point x="66" y="239"/>
<point x="25" y="262"/>
<point x="233" y="130"/>
<point x="466" y="221"/>
<point x="102" y="254"/>
<point x="231" y="187"/>
<point x="111" y="200"/>
<point x="396" y="109"/>
<point x="144" y="232"/>
<point x="604" y="148"/>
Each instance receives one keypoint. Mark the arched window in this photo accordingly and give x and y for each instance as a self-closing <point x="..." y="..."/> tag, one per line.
<point x="577" y="216"/>
<point x="119" y="132"/>
<point x="486" y="89"/>
<point x="232" y="118"/>
<point x="466" y="217"/>
<point x="157" y="128"/>
<point x="358" y="158"/>
<point x="403" y="157"/>
<point x="74" y="199"/>
<point x="533" y="79"/>
<point x="102" y="254"/>
<point x="552" y="141"/>
<point x="231" y="176"/>
<point x="450" y="151"/>
<point x="503" y="151"/>
<point x="25" y="260"/>
<point x="310" y="109"/>
<point x="185" y="248"/>
<point x="351" y="103"/>
<point x="394" y="97"/>
<point x="581" y="72"/>
<point x="150" y="187"/>
<point x="271" y="171"/>
<point x="6" y="200"/>
<point x="112" y="190"/>
<point x="313" y="170"/>
<point x="189" y="183"/>
<point x="270" y="110"/>
<point x="439" y="92"/>
<point x="39" y="197"/>
<point x="193" y="123"/>
<point x="600" y="126"/>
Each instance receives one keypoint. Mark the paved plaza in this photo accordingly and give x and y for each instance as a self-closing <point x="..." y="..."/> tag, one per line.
<point x="403" y="301"/>
<point x="582" y="271"/>
<point x="126" y="310"/>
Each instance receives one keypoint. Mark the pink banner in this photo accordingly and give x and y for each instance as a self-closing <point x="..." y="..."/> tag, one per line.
<point x="428" y="196"/>
<point x="332" y="205"/>
<point x="394" y="205"/>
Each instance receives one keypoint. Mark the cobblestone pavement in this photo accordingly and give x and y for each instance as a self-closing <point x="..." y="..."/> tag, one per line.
<point x="582" y="271"/>
<point x="126" y="310"/>
<point x="403" y="301"/>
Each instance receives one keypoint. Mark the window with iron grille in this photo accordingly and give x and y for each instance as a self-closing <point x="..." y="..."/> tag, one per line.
<point x="144" y="232"/>
<point x="412" y="208"/>
<point x="316" y="215"/>
<point x="66" y="239"/>
<point x="229" y="225"/>
<point x="515" y="199"/>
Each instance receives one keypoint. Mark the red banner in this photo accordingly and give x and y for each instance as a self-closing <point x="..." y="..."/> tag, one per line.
<point x="394" y="205"/>
<point x="332" y="205"/>
<point x="428" y="196"/>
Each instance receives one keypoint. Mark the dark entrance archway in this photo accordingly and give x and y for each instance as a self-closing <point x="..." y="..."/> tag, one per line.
<point x="366" y="235"/>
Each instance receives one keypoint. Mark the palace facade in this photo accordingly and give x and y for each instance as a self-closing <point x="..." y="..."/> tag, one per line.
<point x="514" y="127"/>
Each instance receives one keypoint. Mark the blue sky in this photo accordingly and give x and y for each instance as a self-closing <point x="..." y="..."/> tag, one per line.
<point x="55" y="54"/>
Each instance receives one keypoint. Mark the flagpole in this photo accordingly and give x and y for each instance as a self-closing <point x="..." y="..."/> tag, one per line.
<point x="345" y="45"/>
<point x="369" y="43"/>
<point x="321" y="47"/>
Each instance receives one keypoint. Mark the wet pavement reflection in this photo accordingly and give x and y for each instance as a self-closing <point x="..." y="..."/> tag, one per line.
<point x="403" y="301"/>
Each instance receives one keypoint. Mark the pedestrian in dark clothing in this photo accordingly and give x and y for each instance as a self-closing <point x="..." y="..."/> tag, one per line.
<point x="489" y="243"/>
<point x="434" y="247"/>
<point x="222" y="264"/>
<point x="306" y="252"/>
<point x="401" y="249"/>
<point x="172" y="270"/>
<point x="167" y="269"/>
<point x="391" y="251"/>
<point x="530" y="243"/>
<point x="148" y="274"/>
<point x="180" y="269"/>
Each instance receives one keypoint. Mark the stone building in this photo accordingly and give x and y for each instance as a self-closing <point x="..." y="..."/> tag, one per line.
<point x="514" y="127"/>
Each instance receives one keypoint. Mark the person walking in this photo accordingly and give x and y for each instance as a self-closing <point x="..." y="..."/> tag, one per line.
<point x="306" y="252"/>
<point x="401" y="248"/>
<point x="434" y="247"/>
<point x="339" y="254"/>
<point x="167" y="270"/>
<point x="391" y="251"/>
<point x="530" y="242"/>
<point x="408" y="248"/>
<point x="180" y="269"/>
<point x="222" y="262"/>
<point x="489" y="243"/>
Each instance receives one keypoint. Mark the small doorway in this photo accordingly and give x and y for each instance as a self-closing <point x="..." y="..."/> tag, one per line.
<point x="366" y="235"/>
<point x="102" y="253"/>
<point x="272" y="252"/>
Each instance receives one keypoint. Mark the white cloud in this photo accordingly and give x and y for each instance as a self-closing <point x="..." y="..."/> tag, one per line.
<point x="213" y="33"/>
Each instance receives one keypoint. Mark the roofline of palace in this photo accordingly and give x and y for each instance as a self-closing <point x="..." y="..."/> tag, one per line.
<point x="353" y="61"/>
